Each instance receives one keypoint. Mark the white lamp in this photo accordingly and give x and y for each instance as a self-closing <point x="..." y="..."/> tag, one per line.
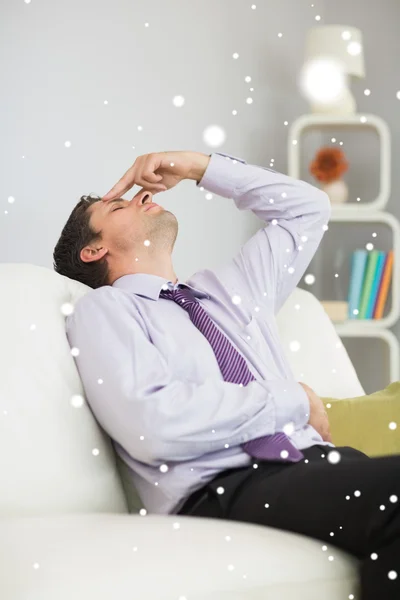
<point x="333" y="52"/>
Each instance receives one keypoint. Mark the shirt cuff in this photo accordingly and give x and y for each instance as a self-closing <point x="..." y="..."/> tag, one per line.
<point x="291" y="403"/>
<point x="223" y="174"/>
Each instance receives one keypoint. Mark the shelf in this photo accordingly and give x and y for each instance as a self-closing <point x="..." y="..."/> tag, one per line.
<point x="391" y="221"/>
<point x="318" y="121"/>
<point x="332" y="245"/>
<point x="388" y="337"/>
<point x="378" y="359"/>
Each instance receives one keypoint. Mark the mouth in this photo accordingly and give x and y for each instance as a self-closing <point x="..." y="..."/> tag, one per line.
<point x="149" y="206"/>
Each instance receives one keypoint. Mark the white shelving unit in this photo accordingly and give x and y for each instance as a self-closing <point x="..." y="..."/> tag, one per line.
<point x="372" y="212"/>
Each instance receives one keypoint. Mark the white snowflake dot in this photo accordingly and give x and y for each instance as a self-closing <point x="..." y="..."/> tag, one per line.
<point x="178" y="101"/>
<point x="334" y="457"/>
<point x="288" y="428"/>
<point x="309" y="279"/>
<point x="76" y="400"/>
<point x="67" y="308"/>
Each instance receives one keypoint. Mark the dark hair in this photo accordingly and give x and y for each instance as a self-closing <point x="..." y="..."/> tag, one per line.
<point x="76" y="234"/>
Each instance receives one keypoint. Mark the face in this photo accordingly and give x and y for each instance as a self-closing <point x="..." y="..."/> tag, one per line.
<point x="125" y="225"/>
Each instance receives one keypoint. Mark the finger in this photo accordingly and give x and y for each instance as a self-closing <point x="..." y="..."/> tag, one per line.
<point x="118" y="190"/>
<point x="126" y="182"/>
<point x="162" y="189"/>
<point x="151" y="164"/>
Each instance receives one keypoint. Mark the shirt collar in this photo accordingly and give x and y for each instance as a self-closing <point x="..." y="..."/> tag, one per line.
<point x="150" y="286"/>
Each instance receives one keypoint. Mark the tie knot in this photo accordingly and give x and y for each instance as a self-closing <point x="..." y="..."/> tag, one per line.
<point x="181" y="296"/>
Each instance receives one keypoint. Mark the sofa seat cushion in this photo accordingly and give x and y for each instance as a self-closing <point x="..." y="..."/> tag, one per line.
<point x="165" y="557"/>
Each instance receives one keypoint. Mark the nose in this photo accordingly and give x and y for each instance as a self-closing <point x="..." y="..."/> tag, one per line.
<point x="146" y="198"/>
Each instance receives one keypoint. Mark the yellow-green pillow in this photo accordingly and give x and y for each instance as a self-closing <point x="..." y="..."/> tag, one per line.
<point x="363" y="422"/>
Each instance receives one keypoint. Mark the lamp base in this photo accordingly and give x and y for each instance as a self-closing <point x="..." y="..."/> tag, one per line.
<point x="337" y="191"/>
<point x="345" y="104"/>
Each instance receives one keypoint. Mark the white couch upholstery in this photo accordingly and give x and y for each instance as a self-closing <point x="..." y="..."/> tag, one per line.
<point x="68" y="527"/>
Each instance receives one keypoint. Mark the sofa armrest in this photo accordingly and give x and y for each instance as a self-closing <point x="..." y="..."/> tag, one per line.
<point x="363" y="422"/>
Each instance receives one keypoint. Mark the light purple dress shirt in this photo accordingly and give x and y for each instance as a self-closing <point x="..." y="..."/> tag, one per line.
<point x="152" y="379"/>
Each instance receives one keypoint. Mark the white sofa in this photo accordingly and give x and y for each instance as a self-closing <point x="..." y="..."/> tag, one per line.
<point x="69" y="522"/>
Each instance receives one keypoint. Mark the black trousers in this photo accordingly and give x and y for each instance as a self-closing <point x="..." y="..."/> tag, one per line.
<point x="356" y="499"/>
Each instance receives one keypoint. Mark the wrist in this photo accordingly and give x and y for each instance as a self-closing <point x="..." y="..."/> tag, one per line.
<point x="199" y="166"/>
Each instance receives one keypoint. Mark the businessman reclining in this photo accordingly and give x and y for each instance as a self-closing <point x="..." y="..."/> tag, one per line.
<point x="190" y="380"/>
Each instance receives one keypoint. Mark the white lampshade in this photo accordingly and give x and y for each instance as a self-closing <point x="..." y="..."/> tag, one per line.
<point x="332" y="54"/>
<point x="338" y="42"/>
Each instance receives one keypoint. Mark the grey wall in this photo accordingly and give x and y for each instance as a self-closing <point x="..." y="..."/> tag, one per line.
<point x="61" y="60"/>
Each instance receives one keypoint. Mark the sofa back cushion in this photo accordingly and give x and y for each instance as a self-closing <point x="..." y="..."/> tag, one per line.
<point x="54" y="457"/>
<point x="318" y="357"/>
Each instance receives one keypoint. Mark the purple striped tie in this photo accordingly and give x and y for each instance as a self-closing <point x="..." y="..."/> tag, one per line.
<point x="234" y="369"/>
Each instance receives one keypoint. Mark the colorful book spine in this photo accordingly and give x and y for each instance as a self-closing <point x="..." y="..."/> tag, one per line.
<point x="376" y="284"/>
<point x="384" y="287"/>
<point x="368" y="283"/>
<point x="358" y="264"/>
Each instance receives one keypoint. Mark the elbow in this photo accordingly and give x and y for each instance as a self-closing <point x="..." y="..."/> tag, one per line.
<point x="324" y="204"/>
<point x="324" y="200"/>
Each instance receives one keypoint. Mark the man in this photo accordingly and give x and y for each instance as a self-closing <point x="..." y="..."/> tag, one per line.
<point x="190" y="380"/>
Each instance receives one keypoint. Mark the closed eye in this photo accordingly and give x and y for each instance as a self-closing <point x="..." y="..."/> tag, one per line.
<point x="117" y="208"/>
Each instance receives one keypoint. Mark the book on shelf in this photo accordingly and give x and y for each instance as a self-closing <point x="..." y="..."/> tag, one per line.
<point x="370" y="278"/>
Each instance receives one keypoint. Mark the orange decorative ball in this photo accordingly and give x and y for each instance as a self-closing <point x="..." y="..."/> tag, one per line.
<point x="329" y="165"/>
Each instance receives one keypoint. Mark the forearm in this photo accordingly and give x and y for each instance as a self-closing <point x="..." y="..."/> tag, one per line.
<point x="200" y="164"/>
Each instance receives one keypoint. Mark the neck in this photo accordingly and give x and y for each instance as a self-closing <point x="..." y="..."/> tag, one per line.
<point x="162" y="268"/>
